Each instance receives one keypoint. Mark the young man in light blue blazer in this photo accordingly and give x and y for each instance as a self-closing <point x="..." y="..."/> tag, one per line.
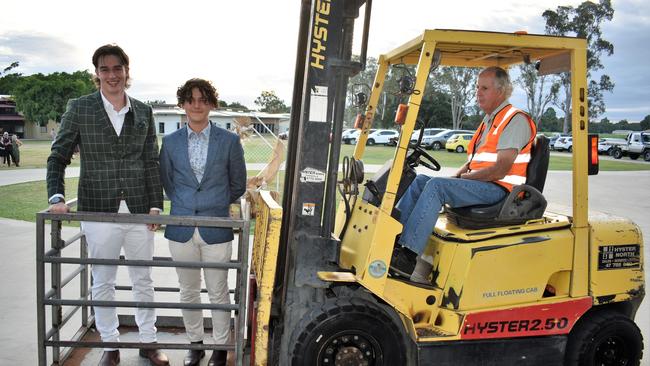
<point x="203" y="171"/>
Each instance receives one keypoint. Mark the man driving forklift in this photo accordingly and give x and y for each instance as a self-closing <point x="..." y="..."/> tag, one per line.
<point x="498" y="156"/>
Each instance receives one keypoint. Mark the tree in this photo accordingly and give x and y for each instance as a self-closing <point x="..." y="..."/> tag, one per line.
<point x="459" y="84"/>
<point x="271" y="103"/>
<point x="645" y="123"/>
<point x="44" y="97"/>
<point x="237" y="106"/>
<point x="584" y="22"/>
<point x="8" y="81"/>
<point x="538" y="92"/>
<point x="548" y="121"/>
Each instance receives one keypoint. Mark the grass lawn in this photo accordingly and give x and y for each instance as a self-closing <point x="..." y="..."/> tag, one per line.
<point x="22" y="201"/>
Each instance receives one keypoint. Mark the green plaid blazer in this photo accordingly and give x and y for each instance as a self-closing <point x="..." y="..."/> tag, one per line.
<point x="113" y="167"/>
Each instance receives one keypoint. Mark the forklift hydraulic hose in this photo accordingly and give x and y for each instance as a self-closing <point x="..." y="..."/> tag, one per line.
<point x="349" y="185"/>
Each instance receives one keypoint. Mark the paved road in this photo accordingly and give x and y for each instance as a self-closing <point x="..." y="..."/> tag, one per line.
<point x="619" y="193"/>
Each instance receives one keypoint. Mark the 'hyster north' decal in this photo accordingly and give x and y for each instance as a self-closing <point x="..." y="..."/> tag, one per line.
<point x="619" y="256"/>
<point x="547" y="319"/>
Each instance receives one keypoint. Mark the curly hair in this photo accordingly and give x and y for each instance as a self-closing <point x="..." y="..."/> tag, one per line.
<point x="184" y="93"/>
<point x="107" y="50"/>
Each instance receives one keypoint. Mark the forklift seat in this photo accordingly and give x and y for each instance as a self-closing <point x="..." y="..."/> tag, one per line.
<point x="524" y="203"/>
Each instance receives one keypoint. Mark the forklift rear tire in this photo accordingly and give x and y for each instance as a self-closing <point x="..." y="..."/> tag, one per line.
<point x="604" y="338"/>
<point x="350" y="331"/>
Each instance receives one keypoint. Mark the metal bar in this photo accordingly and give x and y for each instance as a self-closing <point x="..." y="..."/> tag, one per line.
<point x="158" y="345"/>
<point x="141" y="263"/>
<point x="120" y="218"/>
<point x="71" y="276"/>
<point x="40" y="289"/>
<point x="65" y="281"/>
<point x="75" y="338"/>
<point x="65" y="318"/>
<point x="242" y="280"/>
<point x="74" y="238"/>
<point x="83" y="281"/>
<point x="56" y="242"/>
<point x="68" y="315"/>
<point x="138" y="304"/>
<point x="364" y="37"/>
<point x="163" y="289"/>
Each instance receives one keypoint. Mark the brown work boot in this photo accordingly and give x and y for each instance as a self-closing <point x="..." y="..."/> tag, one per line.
<point x="155" y="356"/>
<point x="110" y="358"/>
<point x="218" y="358"/>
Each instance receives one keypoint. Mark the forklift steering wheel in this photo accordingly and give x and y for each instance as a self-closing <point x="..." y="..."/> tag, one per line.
<point x="414" y="158"/>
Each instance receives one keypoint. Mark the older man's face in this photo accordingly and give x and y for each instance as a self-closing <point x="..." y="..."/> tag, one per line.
<point x="487" y="93"/>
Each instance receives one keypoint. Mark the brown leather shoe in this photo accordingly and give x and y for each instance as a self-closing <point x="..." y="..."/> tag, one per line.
<point x="218" y="358"/>
<point x="155" y="356"/>
<point x="110" y="358"/>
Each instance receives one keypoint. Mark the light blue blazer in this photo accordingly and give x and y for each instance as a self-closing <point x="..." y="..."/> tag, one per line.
<point x="224" y="181"/>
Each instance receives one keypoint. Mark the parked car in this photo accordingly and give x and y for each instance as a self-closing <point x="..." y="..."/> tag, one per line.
<point x="605" y="145"/>
<point x="427" y="132"/>
<point x="458" y="142"/>
<point x="564" y="143"/>
<point x="637" y="144"/>
<point x="347" y="133"/>
<point x="354" y="136"/>
<point x="439" y="140"/>
<point x="381" y="137"/>
<point x="555" y="137"/>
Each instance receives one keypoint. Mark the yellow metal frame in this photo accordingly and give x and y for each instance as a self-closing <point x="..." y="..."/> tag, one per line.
<point x="368" y="242"/>
<point x="268" y="221"/>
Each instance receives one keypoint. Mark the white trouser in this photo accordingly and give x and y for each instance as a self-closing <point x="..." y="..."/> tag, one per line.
<point x="105" y="240"/>
<point x="216" y="281"/>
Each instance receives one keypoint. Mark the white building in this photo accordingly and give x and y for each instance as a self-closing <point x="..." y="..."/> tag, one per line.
<point x="170" y="118"/>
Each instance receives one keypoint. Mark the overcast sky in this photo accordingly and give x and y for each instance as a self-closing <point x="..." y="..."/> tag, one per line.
<point x="245" y="47"/>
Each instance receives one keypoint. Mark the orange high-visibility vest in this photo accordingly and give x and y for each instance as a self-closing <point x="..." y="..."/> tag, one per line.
<point x="486" y="155"/>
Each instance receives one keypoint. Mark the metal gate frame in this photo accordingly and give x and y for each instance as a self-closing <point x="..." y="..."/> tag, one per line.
<point x="53" y="296"/>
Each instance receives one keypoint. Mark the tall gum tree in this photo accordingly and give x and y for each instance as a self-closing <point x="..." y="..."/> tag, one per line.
<point x="585" y="22"/>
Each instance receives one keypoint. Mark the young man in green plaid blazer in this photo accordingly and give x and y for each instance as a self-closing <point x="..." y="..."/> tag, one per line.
<point x="116" y="136"/>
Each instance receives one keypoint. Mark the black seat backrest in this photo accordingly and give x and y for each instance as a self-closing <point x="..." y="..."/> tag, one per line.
<point x="538" y="165"/>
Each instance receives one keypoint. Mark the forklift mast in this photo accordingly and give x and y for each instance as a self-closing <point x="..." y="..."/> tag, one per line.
<point x="323" y="67"/>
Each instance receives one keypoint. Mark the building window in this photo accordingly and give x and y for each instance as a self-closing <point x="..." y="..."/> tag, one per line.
<point x="43" y="129"/>
<point x="161" y="127"/>
<point x="178" y="125"/>
<point x="228" y="126"/>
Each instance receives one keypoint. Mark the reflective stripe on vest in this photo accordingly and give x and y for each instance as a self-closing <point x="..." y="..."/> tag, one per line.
<point x="486" y="155"/>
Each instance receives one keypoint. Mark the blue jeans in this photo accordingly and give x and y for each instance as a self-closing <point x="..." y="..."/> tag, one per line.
<point x="421" y="203"/>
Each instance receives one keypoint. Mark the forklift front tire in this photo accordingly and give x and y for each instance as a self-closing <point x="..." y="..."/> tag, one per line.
<point x="350" y="331"/>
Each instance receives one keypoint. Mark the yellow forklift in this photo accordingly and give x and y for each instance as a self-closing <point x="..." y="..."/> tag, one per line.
<point x="512" y="284"/>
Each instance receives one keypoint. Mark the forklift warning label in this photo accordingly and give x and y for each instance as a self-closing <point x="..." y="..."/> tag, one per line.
<point x="537" y="320"/>
<point x="308" y="209"/>
<point x="618" y="256"/>
<point x="311" y="175"/>
<point x="318" y="104"/>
